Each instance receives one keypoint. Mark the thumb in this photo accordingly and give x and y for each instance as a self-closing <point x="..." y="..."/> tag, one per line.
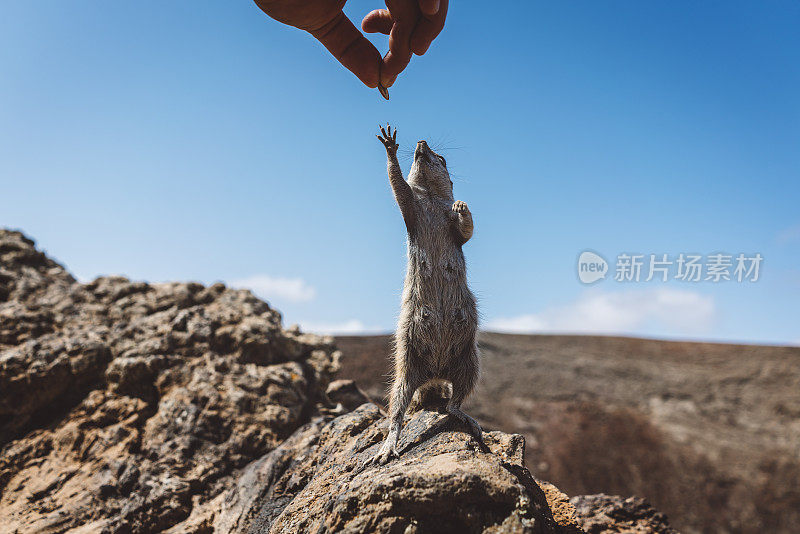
<point x="351" y="48"/>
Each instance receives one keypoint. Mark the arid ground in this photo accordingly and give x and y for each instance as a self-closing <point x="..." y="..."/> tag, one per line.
<point x="709" y="433"/>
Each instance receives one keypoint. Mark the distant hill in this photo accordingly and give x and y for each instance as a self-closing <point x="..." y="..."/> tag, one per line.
<point x="709" y="433"/>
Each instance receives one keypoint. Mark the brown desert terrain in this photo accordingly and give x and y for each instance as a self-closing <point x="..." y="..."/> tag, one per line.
<point x="709" y="433"/>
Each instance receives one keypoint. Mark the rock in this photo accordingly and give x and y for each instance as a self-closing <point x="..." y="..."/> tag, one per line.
<point x="320" y="480"/>
<point x="602" y="513"/>
<point x="128" y="407"/>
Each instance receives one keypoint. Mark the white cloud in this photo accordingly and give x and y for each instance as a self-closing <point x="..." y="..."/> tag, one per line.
<point x="277" y="288"/>
<point x="625" y="312"/>
<point x="351" y="327"/>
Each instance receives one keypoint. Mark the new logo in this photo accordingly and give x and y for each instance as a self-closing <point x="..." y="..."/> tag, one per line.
<point x="591" y="267"/>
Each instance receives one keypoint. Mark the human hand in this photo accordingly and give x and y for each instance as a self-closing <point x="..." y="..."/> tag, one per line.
<point x="411" y="25"/>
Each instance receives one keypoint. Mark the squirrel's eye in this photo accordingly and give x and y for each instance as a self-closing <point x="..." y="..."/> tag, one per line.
<point x="443" y="161"/>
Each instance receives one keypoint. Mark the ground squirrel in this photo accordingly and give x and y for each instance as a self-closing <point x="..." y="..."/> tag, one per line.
<point x="435" y="338"/>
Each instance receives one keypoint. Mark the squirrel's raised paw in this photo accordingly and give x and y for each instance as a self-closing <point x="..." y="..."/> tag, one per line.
<point x="460" y="207"/>
<point x="389" y="138"/>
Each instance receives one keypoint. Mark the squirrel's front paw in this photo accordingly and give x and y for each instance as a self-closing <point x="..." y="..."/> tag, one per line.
<point x="387" y="451"/>
<point x="389" y="139"/>
<point x="460" y="207"/>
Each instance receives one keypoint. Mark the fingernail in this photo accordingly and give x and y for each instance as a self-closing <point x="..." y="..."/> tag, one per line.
<point x="382" y="83"/>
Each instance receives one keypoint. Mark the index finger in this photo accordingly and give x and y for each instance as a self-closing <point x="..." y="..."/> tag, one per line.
<point x="351" y="48"/>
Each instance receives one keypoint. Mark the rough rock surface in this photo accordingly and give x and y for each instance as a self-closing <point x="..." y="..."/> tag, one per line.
<point x="128" y="407"/>
<point x="125" y="405"/>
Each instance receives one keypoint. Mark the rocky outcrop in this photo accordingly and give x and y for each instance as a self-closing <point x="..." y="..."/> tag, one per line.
<point x="125" y="405"/>
<point x="128" y="407"/>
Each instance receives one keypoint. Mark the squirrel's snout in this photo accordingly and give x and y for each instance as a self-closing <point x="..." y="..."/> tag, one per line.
<point x="422" y="149"/>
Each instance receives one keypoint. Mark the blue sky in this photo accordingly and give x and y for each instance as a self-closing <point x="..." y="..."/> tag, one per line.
<point x="204" y="141"/>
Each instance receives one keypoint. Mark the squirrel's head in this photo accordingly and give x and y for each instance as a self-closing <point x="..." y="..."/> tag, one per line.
<point x="429" y="172"/>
